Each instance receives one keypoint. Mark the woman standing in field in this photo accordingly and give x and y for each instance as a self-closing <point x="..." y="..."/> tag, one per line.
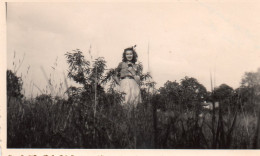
<point x="128" y="77"/>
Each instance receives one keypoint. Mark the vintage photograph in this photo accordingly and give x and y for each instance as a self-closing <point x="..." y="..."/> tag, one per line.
<point x="133" y="75"/>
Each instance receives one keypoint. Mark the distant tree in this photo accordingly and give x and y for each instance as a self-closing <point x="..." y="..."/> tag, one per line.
<point x="251" y="79"/>
<point x="193" y="92"/>
<point x="186" y="94"/>
<point x="171" y="94"/>
<point x="14" y="85"/>
<point x="223" y="92"/>
<point x="249" y="90"/>
<point x="226" y="96"/>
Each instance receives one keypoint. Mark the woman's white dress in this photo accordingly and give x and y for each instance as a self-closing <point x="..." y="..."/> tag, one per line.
<point x="129" y="86"/>
<point x="132" y="91"/>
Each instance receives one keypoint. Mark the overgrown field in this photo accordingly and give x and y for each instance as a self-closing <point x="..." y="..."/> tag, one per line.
<point x="91" y="116"/>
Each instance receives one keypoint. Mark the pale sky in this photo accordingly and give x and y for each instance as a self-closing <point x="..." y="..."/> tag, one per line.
<point x="186" y="38"/>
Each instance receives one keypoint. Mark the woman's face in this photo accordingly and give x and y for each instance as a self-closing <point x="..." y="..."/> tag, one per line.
<point x="129" y="55"/>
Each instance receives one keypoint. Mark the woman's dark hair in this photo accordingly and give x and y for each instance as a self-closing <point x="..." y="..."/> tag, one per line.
<point x="135" y="56"/>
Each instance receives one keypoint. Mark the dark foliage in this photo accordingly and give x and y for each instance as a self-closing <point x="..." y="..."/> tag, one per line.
<point x="14" y="85"/>
<point x="92" y="117"/>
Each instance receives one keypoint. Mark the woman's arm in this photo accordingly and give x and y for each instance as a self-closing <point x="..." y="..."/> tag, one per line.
<point x="117" y="74"/>
<point x="116" y="80"/>
<point x="137" y="75"/>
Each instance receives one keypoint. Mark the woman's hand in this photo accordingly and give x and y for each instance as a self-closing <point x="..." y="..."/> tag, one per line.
<point x="137" y="79"/>
<point x="116" y="80"/>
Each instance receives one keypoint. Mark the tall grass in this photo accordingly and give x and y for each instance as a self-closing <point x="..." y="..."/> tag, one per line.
<point x="47" y="122"/>
<point x="169" y="121"/>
